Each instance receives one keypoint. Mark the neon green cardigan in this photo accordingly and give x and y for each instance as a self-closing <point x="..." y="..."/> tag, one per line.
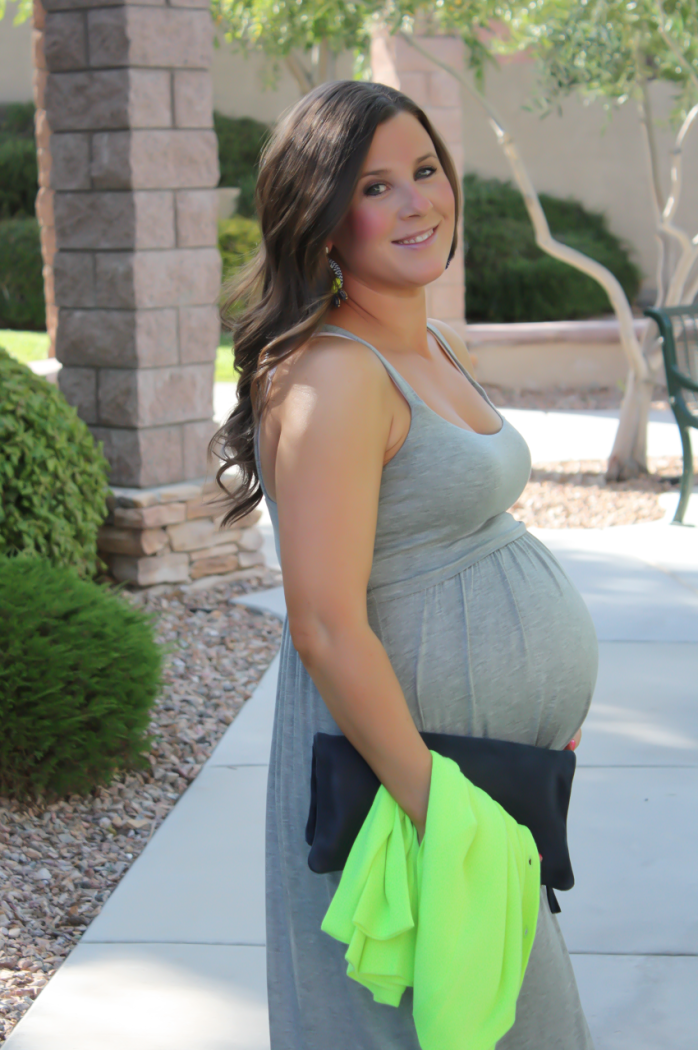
<point x="453" y="916"/>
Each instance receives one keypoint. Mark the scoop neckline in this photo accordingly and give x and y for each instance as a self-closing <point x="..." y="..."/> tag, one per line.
<point x="422" y="402"/>
<point x="465" y="430"/>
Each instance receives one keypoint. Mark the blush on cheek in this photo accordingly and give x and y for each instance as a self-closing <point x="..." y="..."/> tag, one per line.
<point x="368" y="225"/>
<point x="443" y="199"/>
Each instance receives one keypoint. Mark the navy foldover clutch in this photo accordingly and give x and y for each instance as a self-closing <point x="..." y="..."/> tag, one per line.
<point x="533" y="784"/>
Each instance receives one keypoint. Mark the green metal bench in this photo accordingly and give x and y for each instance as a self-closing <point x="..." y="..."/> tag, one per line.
<point x="678" y="328"/>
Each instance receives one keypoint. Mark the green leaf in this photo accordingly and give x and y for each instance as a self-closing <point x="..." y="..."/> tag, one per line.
<point x="48" y="451"/>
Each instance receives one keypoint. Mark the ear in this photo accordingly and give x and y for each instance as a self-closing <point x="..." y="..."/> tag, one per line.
<point x="328" y="248"/>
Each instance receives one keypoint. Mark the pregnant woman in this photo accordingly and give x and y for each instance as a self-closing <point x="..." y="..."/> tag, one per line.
<point x="415" y="601"/>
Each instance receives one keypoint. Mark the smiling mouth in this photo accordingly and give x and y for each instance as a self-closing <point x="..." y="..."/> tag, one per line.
<point x="418" y="238"/>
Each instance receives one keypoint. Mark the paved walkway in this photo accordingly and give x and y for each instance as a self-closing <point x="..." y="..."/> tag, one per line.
<point x="176" y="956"/>
<point x="550" y="435"/>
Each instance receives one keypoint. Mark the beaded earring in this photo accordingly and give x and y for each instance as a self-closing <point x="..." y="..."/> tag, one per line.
<point x="339" y="295"/>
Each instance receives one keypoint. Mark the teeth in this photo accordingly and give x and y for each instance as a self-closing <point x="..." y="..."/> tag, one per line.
<point x="419" y="239"/>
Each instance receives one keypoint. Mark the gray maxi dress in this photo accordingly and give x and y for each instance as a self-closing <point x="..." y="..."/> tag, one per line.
<point x="488" y="637"/>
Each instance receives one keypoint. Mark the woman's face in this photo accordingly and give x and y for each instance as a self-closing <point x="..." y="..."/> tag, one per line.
<point x="399" y="228"/>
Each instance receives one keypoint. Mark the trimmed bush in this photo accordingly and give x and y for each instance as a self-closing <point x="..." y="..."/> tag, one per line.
<point x="19" y="178"/>
<point x="79" y="672"/>
<point x="245" y="205"/>
<point x="22" y="302"/>
<point x="17" y="120"/>
<point x="508" y="277"/>
<point x="53" y="478"/>
<point x="238" y="240"/>
<point x="240" y="142"/>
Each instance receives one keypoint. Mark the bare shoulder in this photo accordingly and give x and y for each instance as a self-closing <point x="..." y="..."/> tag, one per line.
<point x="336" y="370"/>
<point x="330" y="356"/>
<point x="333" y="387"/>
<point x="456" y="344"/>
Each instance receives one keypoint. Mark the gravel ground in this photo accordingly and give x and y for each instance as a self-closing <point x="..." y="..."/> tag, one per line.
<point x="576" y="494"/>
<point x="567" y="399"/>
<point x="59" y="863"/>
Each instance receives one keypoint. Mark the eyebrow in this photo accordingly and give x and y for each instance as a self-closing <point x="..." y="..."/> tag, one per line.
<point x="384" y="171"/>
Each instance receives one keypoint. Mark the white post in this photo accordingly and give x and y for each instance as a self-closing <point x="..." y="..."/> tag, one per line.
<point x="395" y="63"/>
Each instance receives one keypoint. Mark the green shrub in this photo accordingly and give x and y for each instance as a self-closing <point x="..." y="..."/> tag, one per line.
<point x="79" y="672"/>
<point x="508" y="278"/>
<point x="18" y="166"/>
<point x="53" y="478"/>
<point x="19" y="178"/>
<point x="240" y="141"/>
<point x="22" y="302"/>
<point x="238" y="240"/>
<point x="17" y="120"/>
<point x="245" y="204"/>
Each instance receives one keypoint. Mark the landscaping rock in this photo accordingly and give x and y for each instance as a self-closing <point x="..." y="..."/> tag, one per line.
<point x="61" y="862"/>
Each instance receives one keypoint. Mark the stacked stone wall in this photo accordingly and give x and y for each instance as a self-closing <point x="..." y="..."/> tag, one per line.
<point x="173" y="534"/>
<point x="128" y="166"/>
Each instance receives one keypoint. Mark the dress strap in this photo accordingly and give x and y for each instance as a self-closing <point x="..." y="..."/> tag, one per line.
<point x="401" y="383"/>
<point x="443" y="342"/>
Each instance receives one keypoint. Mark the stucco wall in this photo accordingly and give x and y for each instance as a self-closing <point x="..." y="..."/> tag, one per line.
<point x="15" y="59"/>
<point x="584" y="153"/>
<point x="581" y="153"/>
<point x="240" y="84"/>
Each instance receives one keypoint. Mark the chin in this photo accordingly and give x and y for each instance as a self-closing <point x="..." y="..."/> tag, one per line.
<point x="426" y="273"/>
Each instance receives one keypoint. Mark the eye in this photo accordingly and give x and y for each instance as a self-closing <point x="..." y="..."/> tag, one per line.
<point x="425" y="172"/>
<point x="375" y="189"/>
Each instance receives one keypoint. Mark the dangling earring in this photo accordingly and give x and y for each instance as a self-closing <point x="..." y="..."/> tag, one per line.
<point x="339" y="295"/>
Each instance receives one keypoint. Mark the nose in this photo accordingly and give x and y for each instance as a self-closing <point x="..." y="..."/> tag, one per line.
<point x="415" y="202"/>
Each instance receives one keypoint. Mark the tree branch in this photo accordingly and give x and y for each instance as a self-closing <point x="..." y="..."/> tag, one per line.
<point x="672" y="202"/>
<point x="692" y="292"/>
<point x="688" y="250"/>
<point x="647" y="125"/>
<point x="674" y="47"/>
<point x="326" y="62"/>
<point x="299" y="73"/>
<point x="651" y="143"/>
<point x="544" y="238"/>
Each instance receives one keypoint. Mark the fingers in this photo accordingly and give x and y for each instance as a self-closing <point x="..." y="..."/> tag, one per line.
<point x="574" y="742"/>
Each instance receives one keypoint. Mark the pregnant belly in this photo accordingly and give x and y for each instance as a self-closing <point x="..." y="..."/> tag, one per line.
<point x="505" y="649"/>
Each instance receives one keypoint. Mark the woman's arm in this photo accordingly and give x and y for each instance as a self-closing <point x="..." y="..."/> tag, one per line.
<point x="335" y="425"/>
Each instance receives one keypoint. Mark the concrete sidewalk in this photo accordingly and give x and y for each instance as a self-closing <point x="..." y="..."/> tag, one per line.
<point x="551" y="435"/>
<point x="632" y="920"/>
<point x="176" y="957"/>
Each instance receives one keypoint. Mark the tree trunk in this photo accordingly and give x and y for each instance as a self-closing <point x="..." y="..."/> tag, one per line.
<point x="325" y="63"/>
<point x="299" y="73"/>
<point x="629" y="454"/>
<point x="322" y="67"/>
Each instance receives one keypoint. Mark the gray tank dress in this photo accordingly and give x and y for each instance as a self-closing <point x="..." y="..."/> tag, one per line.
<point x="488" y="637"/>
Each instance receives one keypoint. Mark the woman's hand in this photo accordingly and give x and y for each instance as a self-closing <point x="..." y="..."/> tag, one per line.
<point x="574" y="742"/>
<point x="572" y="746"/>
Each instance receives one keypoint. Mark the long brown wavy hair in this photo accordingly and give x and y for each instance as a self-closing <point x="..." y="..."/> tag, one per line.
<point x="307" y="178"/>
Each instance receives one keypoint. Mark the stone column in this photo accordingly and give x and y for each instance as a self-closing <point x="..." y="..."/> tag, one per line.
<point x="128" y="164"/>
<point x="394" y="62"/>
